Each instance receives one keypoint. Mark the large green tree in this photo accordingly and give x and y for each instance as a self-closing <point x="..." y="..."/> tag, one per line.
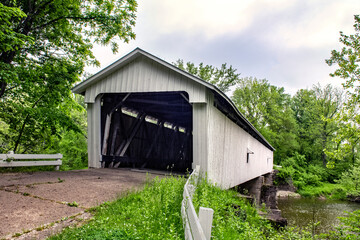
<point x="223" y="78"/>
<point x="33" y="31"/>
<point x="346" y="147"/>
<point x="267" y="107"/>
<point x="314" y="110"/>
<point x="44" y="46"/>
<point x="348" y="60"/>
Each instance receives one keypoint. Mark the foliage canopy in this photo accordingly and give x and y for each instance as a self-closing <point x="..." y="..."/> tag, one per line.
<point x="348" y="59"/>
<point x="44" y="46"/>
<point x="223" y="78"/>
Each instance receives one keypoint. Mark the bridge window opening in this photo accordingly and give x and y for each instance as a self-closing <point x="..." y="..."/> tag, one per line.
<point x="146" y="130"/>
<point x="152" y="120"/>
<point x="181" y="129"/>
<point x="129" y="112"/>
<point x="248" y="155"/>
<point x="169" y="125"/>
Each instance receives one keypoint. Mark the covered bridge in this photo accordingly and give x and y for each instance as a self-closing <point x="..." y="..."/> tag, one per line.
<point x="143" y="112"/>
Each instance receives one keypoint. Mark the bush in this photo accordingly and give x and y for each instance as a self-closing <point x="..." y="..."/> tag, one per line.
<point x="284" y="175"/>
<point x="296" y="161"/>
<point x="73" y="146"/>
<point x="302" y="174"/>
<point x="349" y="228"/>
<point x="320" y="171"/>
<point x="350" y="180"/>
<point x="311" y="179"/>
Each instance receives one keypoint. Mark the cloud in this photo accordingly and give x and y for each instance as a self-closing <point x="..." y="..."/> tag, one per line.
<point x="284" y="41"/>
<point x="292" y="22"/>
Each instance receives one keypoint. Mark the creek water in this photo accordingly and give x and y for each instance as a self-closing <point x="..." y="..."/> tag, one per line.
<point x="302" y="212"/>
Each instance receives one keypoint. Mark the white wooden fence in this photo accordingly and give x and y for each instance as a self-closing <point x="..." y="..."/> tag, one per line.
<point x="11" y="160"/>
<point x="196" y="228"/>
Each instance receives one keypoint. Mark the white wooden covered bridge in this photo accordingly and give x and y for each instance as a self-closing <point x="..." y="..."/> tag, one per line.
<point x="144" y="112"/>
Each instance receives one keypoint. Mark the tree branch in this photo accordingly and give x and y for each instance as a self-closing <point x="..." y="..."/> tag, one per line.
<point x="40" y="7"/>
<point x="3" y="88"/>
<point x="66" y="17"/>
<point x="24" y="124"/>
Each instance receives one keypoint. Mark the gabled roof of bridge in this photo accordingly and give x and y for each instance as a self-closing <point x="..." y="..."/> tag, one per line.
<point x="223" y="103"/>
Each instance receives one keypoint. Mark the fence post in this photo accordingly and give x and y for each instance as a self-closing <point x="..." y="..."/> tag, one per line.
<point x="205" y="219"/>
<point x="196" y="227"/>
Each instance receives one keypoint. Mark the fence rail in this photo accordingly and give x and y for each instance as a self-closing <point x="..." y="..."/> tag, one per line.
<point x="11" y="160"/>
<point x="196" y="227"/>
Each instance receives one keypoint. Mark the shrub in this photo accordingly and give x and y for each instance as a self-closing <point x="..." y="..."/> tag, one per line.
<point x="284" y="175"/>
<point x="73" y="146"/>
<point x="320" y="171"/>
<point x="296" y="161"/>
<point x="350" y="180"/>
<point x="349" y="228"/>
<point x="311" y="179"/>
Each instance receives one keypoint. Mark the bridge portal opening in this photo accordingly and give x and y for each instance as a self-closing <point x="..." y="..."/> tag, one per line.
<point x="147" y="130"/>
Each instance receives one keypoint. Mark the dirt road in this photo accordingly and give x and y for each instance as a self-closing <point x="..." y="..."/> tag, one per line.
<point x="35" y="205"/>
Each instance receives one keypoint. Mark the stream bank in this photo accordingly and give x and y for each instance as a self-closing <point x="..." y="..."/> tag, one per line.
<point x="321" y="215"/>
<point x="318" y="213"/>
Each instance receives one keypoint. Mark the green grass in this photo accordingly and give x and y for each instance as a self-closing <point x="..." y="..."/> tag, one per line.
<point x="152" y="213"/>
<point x="234" y="217"/>
<point x="328" y="190"/>
<point x="155" y="213"/>
<point x="38" y="169"/>
<point x="26" y="169"/>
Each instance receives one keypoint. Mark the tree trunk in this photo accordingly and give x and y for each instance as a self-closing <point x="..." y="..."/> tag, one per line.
<point x="24" y="124"/>
<point x="324" y="141"/>
<point x="7" y="58"/>
<point x="3" y="85"/>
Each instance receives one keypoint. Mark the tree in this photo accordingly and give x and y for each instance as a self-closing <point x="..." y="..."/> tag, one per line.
<point x="351" y="181"/>
<point x="73" y="144"/>
<point x="33" y="31"/>
<point x="347" y="138"/>
<point x="37" y="110"/>
<point x="223" y="78"/>
<point x="44" y="46"/>
<point x="348" y="60"/>
<point x="305" y="113"/>
<point x="268" y="108"/>
<point x="314" y="111"/>
<point x="329" y="103"/>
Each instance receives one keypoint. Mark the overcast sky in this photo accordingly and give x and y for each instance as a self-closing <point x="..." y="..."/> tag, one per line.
<point x="284" y="41"/>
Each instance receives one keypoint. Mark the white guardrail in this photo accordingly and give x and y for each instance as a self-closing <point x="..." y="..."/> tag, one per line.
<point x="11" y="160"/>
<point x="196" y="228"/>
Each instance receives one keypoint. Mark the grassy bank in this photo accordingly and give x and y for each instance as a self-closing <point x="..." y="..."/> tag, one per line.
<point x="328" y="190"/>
<point x="316" y="180"/>
<point x="154" y="213"/>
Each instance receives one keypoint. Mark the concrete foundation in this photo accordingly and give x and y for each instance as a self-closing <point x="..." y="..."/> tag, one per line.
<point x="263" y="191"/>
<point x="253" y="188"/>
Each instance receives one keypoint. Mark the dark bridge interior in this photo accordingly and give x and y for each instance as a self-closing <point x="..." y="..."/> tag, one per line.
<point x="147" y="130"/>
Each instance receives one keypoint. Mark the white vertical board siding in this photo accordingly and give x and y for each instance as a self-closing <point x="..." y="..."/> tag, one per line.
<point x="200" y="127"/>
<point x="227" y="145"/>
<point x="144" y="75"/>
<point x="94" y="134"/>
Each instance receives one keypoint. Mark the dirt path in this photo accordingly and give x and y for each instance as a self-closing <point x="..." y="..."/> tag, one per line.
<point x="42" y="203"/>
